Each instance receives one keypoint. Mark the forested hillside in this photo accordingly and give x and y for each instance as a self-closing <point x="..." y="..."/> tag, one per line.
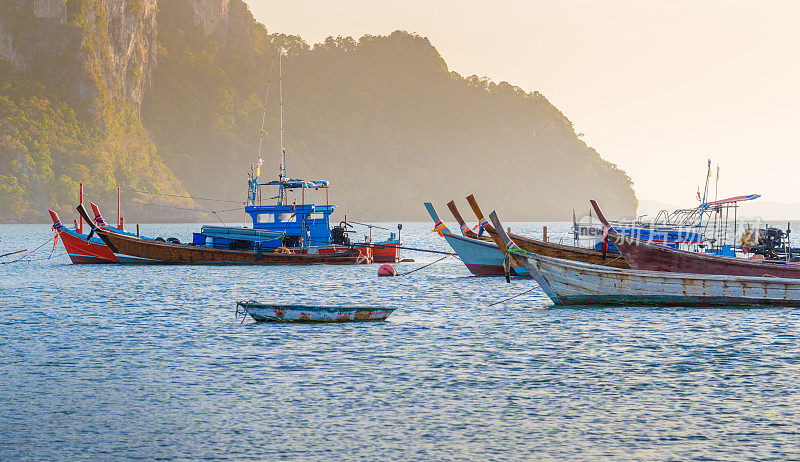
<point x="71" y="77"/>
<point x="382" y="118"/>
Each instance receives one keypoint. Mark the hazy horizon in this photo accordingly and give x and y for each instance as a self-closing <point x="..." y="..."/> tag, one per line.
<point x="656" y="88"/>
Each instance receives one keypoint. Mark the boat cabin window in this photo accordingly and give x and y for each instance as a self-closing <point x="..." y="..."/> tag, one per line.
<point x="266" y="218"/>
<point x="284" y="216"/>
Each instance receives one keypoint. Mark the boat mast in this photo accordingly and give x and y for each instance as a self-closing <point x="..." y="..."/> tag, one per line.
<point x="261" y="133"/>
<point x="705" y="193"/>
<point x="266" y="99"/>
<point x="282" y="173"/>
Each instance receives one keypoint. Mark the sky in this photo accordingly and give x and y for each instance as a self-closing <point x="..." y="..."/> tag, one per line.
<point x="656" y="87"/>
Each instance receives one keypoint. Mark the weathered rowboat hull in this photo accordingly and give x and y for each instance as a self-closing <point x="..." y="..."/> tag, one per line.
<point x="313" y="314"/>
<point x="649" y="257"/>
<point x="574" y="283"/>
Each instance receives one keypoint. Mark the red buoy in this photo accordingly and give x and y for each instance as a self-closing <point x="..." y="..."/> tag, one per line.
<point x="387" y="270"/>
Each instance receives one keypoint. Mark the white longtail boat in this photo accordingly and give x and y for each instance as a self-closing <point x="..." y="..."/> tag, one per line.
<point x="575" y="283"/>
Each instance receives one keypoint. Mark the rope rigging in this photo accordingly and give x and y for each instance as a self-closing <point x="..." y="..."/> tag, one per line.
<point x="129" y="201"/>
<point x="184" y="197"/>
<point x="27" y="255"/>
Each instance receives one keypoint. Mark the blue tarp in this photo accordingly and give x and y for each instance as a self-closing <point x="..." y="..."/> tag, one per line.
<point x="296" y="184"/>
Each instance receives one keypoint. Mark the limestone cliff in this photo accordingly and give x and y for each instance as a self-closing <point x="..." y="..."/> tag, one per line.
<point x="72" y="79"/>
<point x="97" y="53"/>
<point x="211" y="15"/>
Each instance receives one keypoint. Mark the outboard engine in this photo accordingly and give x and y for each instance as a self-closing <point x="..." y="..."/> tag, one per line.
<point x="339" y="236"/>
<point x="769" y="242"/>
<point x="771" y="239"/>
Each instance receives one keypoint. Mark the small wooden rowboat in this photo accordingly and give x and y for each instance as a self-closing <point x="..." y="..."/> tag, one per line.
<point x="650" y="257"/>
<point x="574" y="283"/>
<point x="132" y="249"/>
<point x="302" y="313"/>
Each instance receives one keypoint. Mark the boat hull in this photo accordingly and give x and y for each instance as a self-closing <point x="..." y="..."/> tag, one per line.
<point x="574" y="283"/>
<point x="386" y="252"/>
<point x="130" y="249"/>
<point x="649" y="257"/>
<point x="481" y="258"/>
<point x="83" y="250"/>
<point x="313" y="314"/>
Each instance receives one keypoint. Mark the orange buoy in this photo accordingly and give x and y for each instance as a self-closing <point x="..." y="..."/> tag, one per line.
<point x="387" y="270"/>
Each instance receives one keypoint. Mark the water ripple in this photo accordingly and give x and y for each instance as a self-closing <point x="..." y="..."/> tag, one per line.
<point x="149" y="362"/>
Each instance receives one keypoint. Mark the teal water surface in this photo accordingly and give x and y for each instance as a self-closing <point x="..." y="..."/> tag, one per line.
<point x="148" y="362"/>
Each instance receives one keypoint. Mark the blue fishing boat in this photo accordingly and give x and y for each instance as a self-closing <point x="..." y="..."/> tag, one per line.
<point x="293" y="223"/>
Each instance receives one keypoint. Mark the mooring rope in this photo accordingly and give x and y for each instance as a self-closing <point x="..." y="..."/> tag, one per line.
<point x="31" y="253"/>
<point x="424" y="266"/>
<point x="515" y="296"/>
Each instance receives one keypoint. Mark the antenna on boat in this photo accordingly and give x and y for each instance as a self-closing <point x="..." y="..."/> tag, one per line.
<point x="282" y="173"/>
<point x="705" y="193"/>
<point x="266" y="99"/>
<point x="254" y="192"/>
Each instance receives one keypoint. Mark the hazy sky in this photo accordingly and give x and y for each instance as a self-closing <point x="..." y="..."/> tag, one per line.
<point x="657" y="87"/>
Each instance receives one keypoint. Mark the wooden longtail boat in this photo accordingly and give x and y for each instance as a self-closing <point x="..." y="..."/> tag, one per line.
<point x="312" y="314"/>
<point x="574" y="283"/>
<point x="650" y="257"/>
<point x="82" y="248"/>
<point x="132" y="249"/>
<point x="481" y="258"/>
<point x="551" y="249"/>
<point x="465" y="230"/>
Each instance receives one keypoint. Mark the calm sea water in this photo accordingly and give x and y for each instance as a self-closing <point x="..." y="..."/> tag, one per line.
<point x="147" y="362"/>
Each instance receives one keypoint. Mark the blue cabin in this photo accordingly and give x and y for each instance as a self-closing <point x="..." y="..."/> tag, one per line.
<point x="280" y="225"/>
